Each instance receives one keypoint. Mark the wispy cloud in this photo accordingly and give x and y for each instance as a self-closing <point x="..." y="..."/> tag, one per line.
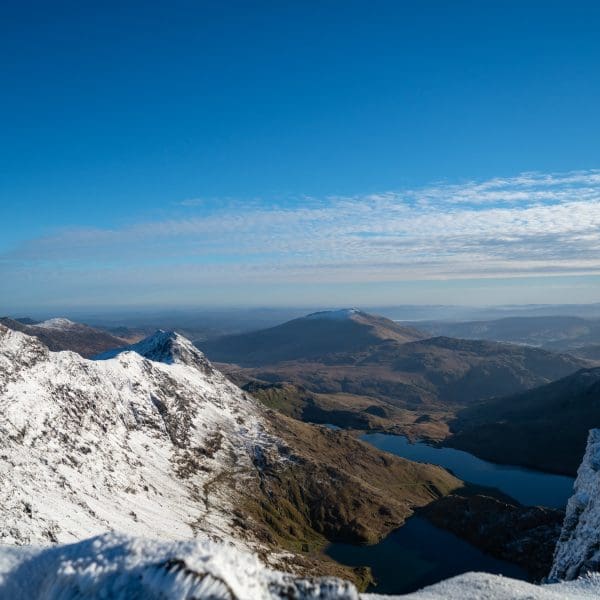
<point x="531" y="224"/>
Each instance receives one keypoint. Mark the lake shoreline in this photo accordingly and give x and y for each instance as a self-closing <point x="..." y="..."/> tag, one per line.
<point x="445" y="443"/>
<point x="508" y="513"/>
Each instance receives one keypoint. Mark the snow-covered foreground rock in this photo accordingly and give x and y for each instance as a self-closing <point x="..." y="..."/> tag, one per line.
<point x="578" y="549"/>
<point x="127" y="443"/>
<point x="117" y="567"/>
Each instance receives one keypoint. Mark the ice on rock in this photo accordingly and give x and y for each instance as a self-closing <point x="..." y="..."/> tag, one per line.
<point x="578" y="549"/>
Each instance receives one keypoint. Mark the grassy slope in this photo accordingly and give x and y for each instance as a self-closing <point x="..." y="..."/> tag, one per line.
<point x="334" y="487"/>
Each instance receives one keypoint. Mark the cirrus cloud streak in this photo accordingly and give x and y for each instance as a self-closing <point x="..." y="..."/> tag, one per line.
<point x="531" y="224"/>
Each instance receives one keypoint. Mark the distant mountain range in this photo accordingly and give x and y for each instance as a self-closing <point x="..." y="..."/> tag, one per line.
<point x="351" y="352"/>
<point x="62" y="334"/>
<point x="575" y="335"/>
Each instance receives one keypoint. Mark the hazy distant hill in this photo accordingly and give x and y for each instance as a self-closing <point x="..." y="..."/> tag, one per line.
<point x="313" y="336"/>
<point x="545" y="427"/>
<point x="589" y="352"/>
<point x="558" y="333"/>
<point x="62" y="334"/>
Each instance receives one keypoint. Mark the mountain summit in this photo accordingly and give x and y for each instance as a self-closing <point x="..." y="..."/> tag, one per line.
<point x="312" y="336"/>
<point x="164" y="346"/>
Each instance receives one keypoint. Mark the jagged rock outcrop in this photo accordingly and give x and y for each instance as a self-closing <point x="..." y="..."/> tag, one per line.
<point x="578" y="548"/>
<point x="525" y="535"/>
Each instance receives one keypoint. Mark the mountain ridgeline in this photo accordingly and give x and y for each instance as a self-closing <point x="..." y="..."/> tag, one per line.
<point x="152" y="440"/>
<point x="62" y="334"/>
<point x="350" y="352"/>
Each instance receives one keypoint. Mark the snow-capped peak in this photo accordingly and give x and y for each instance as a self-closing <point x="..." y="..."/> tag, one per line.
<point x="166" y="347"/>
<point x="334" y="315"/>
<point x="57" y="323"/>
<point x="127" y="443"/>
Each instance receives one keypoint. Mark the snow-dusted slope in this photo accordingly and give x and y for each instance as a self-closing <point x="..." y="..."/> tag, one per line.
<point x="483" y="586"/>
<point x="127" y="443"/>
<point x="121" y="568"/>
<point x="578" y="549"/>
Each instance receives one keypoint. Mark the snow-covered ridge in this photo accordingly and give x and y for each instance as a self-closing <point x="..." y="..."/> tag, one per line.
<point x="578" y="549"/>
<point x="58" y="323"/>
<point x="166" y="347"/>
<point x="127" y="443"/>
<point x="118" y="567"/>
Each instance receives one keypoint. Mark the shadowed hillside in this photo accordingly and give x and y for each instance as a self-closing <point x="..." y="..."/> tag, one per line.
<point x="545" y="428"/>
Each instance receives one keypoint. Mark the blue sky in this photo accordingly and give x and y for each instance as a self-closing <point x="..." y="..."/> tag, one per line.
<point x="230" y="153"/>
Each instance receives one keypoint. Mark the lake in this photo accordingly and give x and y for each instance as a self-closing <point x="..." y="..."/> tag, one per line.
<point x="527" y="486"/>
<point x="419" y="553"/>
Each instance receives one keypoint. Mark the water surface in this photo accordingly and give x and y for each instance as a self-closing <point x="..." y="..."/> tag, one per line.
<point x="419" y="554"/>
<point x="527" y="486"/>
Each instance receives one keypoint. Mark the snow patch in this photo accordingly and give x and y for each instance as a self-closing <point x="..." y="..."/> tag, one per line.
<point x="335" y="315"/>
<point x="57" y="323"/>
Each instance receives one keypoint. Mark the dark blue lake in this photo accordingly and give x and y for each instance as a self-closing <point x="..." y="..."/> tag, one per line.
<point x="527" y="486"/>
<point x="419" y="554"/>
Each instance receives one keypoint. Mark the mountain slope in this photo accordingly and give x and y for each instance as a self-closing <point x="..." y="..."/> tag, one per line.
<point x="156" y="442"/>
<point x="544" y="428"/>
<point x="310" y="337"/>
<point x="127" y="443"/>
<point x="62" y="334"/>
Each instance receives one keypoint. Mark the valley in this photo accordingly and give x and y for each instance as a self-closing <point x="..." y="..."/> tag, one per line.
<point x="470" y="394"/>
<point x="153" y="440"/>
<point x="473" y="395"/>
<point x="363" y="442"/>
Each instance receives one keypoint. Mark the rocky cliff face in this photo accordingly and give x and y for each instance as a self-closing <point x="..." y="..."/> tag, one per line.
<point x="578" y="549"/>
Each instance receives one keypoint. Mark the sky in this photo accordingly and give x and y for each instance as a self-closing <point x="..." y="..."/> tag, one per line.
<point x="299" y="153"/>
